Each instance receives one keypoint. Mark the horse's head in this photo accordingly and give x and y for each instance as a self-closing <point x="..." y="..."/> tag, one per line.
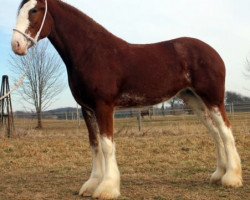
<point x="33" y="23"/>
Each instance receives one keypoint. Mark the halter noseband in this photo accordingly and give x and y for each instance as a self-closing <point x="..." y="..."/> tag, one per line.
<point x="34" y="40"/>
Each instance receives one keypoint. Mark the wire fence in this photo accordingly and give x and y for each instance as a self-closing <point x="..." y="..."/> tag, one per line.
<point x="139" y="115"/>
<point x="135" y="121"/>
<point x="75" y="113"/>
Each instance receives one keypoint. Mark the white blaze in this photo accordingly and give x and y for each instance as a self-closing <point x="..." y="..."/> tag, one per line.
<point x="23" y="23"/>
<point x="23" y="16"/>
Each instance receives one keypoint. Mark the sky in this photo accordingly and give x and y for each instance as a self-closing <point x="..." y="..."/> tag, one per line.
<point x="223" y="24"/>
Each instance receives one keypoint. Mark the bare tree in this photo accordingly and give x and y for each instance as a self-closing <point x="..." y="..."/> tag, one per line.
<point x="246" y="72"/>
<point x="43" y="74"/>
<point x="247" y="69"/>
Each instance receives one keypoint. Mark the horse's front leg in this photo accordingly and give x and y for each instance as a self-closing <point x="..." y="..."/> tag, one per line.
<point x="109" y="188"/>
<point x="96" y="176"/>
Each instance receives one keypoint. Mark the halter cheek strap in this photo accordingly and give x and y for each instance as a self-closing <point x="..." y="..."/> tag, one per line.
<point x="34" y="40"/>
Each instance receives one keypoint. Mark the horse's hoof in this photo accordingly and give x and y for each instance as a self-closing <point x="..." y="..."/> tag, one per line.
<point x="108" y="189"/>
<point x="217" y="176"/>
<point x="232" y="180"/>
<point x="89" y="187"/>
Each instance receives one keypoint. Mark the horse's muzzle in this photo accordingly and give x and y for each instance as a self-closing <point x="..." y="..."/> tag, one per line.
<point x="19" y="45"/>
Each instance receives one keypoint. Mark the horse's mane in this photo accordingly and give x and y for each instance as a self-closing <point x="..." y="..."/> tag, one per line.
<point x="79" y="14"/>
<point x="91" y="23"/>
<point x="25" y="1"/>
<point x="63" y="3"/>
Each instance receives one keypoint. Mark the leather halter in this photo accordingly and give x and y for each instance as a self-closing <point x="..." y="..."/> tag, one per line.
<point x="34" y="40"/>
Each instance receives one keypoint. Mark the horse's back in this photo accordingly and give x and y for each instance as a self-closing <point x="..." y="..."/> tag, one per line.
<point x="159" y="71"/>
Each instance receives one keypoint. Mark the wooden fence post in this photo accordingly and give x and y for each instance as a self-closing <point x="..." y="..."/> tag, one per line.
<point x="139" y="120"/>
<point x="6" y="107"/>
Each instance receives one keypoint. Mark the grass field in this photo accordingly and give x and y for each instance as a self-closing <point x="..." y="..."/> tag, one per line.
<point x="171" y="158"/>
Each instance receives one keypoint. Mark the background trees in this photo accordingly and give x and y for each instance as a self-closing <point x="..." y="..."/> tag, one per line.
<point x="247" y="72"/>
<point x="43" y="77"/>
<point x="236" y="98"/>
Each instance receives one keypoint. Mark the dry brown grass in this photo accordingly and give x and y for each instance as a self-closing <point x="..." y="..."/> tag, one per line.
<point x="172" y="158"/>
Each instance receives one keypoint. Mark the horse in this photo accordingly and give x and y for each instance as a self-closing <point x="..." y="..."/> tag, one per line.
<point x="106" y="72"/>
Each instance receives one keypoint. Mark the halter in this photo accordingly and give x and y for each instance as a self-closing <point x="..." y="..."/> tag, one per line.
<point x="34" y="40"/>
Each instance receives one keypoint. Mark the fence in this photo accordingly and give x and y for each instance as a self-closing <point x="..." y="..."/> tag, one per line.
<point x="140" y="114"/>
<point x="73" y="113"/>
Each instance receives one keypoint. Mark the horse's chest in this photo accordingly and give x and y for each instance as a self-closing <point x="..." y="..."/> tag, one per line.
<point x="79" y="89"/>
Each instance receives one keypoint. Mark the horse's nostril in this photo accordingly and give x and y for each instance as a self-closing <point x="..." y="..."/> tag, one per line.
<point x="17" y="44"/>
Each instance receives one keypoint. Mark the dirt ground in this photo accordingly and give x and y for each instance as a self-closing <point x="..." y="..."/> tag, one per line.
<point x="171" y="158"/>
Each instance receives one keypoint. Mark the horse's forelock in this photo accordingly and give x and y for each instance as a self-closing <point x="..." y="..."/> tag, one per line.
<point x="22" y="3"/>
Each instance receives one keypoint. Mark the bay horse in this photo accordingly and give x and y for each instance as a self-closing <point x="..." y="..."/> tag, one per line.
<point x="105" y="72"/>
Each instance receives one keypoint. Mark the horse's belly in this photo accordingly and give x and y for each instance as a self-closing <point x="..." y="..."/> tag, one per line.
<point x="137" y="100"/>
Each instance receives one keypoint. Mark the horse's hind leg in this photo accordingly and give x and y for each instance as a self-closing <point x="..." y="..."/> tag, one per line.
<point x="98" y="168"/>
<point x="233" y="176"/>
<point x="201" y="110"/>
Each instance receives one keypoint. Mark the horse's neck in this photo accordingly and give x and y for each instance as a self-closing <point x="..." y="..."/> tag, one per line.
<point x="74" y="32"/>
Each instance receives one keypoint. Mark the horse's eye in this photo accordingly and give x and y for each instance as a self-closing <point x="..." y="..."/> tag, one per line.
<point x="33" y="11"/>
